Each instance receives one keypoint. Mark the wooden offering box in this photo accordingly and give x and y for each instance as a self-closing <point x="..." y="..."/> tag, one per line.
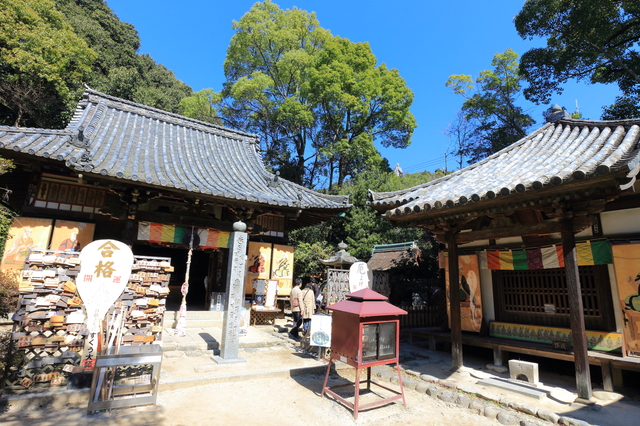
<point x="365" y="332"/>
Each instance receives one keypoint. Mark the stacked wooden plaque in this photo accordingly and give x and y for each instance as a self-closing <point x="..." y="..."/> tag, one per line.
<point x="144" y="300"/>
<point x="49" y="324"/>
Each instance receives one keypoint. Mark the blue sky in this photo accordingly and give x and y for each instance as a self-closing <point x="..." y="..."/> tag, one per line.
<point x="426" y="40"/>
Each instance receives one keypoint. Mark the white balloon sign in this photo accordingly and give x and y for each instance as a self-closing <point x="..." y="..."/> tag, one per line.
<point x="359" y="276"/>
<point x="105" y="266"/>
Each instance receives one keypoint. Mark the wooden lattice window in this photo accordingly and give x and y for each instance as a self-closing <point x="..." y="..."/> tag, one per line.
<point x="540" y="297"/>
<point x="66" y="193"/>
<point x="271" y="224"/>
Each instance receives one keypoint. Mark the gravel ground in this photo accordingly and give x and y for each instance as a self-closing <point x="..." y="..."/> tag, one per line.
<point x="290" y="401"/>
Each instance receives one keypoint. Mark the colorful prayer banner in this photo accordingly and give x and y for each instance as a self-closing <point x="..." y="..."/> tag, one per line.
<point x="588" y="253"/>
<point x="163" y="233"/>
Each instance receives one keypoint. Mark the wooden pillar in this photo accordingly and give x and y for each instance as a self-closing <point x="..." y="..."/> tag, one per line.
<point x="454" y="302"/>
<point x="576" y="311"/>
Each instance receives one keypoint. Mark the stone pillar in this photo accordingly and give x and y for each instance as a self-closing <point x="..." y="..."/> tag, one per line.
<point x="235" y="296"/>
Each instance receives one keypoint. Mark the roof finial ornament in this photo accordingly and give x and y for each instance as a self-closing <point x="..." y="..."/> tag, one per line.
<point x="556" y="113"/>
<point x="79" y="139"/>
<point x="274" y="181"/>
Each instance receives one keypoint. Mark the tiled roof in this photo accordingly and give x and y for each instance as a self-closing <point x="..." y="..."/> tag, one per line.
<point x="389" y="256"/>
<point x="556" y="154"/>
<point x="132" y="142"/>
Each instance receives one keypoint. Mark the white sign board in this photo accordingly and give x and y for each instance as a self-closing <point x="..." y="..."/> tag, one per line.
<point x="320" y="330"/>
<point x="105" y="266"/>
<point x="359" y="276"/>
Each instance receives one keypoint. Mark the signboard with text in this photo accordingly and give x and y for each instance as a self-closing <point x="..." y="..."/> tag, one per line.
<point x="105" y="266"/>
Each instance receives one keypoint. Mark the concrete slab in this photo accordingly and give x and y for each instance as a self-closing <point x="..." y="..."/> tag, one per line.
<point x="515" y="387"/>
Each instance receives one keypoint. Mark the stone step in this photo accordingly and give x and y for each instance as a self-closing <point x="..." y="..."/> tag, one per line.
<point x="195" y="319"/>
<point x="511" y="386"/>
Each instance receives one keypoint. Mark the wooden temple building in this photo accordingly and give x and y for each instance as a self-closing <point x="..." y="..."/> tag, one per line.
<point x="543" y="239"/>
<point x="152" y="179"/>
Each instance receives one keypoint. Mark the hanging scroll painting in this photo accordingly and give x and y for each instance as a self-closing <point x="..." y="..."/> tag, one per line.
<point x="25" y="233"/>
<point x="468" y="291"/>
<point x="626" y="261"/>
<point x="258" y="263"/>
<point x="282" y="268"/>
<point x="71" y="236"/>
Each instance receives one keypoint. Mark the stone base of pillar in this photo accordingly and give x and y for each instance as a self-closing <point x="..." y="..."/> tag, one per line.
<point x="219" y="360"/>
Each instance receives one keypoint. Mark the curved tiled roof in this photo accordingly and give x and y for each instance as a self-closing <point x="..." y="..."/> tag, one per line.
<point x="132" y="142"/>
<point x="556" y="154"/>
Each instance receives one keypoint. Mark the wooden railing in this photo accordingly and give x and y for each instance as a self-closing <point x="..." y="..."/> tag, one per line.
<point x="420" y="316"/>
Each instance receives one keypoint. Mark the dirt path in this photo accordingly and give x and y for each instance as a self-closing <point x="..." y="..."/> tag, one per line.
<point x="283" y="402"/>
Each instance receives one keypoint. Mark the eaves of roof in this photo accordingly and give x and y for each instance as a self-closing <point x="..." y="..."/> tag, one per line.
<point x="557" y="154"/>
<point x="131" y="142"/>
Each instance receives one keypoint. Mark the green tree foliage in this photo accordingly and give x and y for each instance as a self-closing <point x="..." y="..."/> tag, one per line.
<point x="49" y="49"/>
<point x="360" y="227"/>
<point x="201" y="106"/>
<point x="490" y="106"/>
<point x="587" y="40"/>
<point x="119" y="70"/>
<point x="363" y="228"/>
<point x="42" y="64"/>
<point x="317" y="101"/>
<point x="308" y="258"/>
<point x="356" y="102"/>
<point x="8" y="303"/>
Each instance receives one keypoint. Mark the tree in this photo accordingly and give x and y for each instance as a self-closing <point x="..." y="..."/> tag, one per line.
<point x="356" y="102"/>
<point x="308" y="258"/>
<point x="587" y="40"/>
<point x="317" y="101"/>
<point x="202" y="106"/>
<point x="118" y="69"/>
<point x="459" y="133"/>
<point x="360" y="227"/>
<point x="42" y="64"/>
<point x="48" y="50"/>
<point x="490" y="106"/>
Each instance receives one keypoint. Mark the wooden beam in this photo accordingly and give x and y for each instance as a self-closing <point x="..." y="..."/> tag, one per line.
<point x="576" y="311"/>
<point x="519" y="230"/>
<point x="454" y="302"/>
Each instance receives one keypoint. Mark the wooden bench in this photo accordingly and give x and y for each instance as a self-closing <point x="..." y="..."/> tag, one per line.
<point x="264" y="316"/>
<point x="611" y="365"/>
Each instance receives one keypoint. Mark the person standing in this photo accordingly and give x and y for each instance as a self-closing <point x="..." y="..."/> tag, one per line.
<point x="309" y="307"/>
<point x="297" y="308"/>
<point x="316" y="293"/>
